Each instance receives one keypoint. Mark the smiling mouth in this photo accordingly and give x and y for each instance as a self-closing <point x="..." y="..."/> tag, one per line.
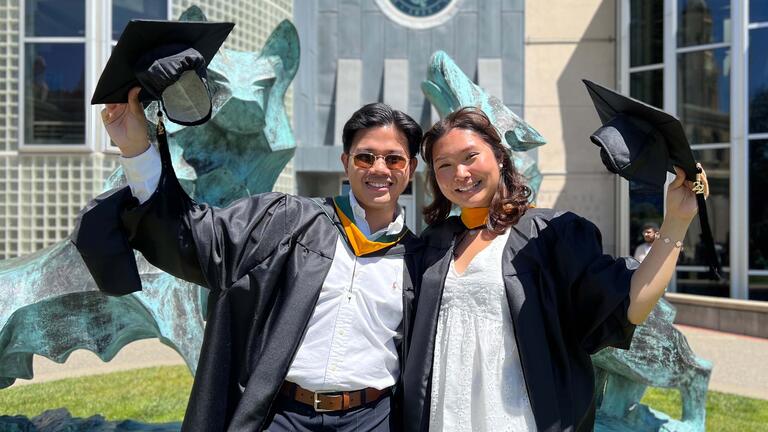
<point x="469" y="188"/>
<point x="378" y="184"/>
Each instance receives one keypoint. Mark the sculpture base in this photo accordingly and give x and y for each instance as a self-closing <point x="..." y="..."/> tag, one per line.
<point x="642" y="419"/>
<point x="61" y="420"/>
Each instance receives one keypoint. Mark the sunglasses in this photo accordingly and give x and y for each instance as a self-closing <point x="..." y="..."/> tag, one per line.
<point x="393" y="161"/>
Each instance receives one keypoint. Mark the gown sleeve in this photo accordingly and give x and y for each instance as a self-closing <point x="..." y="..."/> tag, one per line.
<point x="597" y="297"/>
<point x="212" y="247"/>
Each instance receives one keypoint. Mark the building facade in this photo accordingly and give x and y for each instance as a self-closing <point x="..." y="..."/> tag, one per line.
<point x="54" y="153"/>
<point x="704" y="61"/>
<point x="356" y="52"/>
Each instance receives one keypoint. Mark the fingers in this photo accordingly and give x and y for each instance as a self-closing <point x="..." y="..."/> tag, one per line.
<point x="133" y="101"/>
<point x="112" y="112"/>
<point x="679" y="178"/>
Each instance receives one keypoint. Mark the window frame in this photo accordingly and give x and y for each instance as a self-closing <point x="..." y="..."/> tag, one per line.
<point x="98" y="44"/>
<point x="740" y="138"/>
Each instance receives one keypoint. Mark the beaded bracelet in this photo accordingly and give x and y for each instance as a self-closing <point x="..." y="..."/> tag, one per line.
<point x="678" y="244"/>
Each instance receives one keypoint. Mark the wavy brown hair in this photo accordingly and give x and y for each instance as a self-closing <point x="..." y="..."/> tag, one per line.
<point x="511" y="199"/>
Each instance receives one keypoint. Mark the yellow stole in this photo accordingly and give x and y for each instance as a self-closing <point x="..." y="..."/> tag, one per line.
<point x="475" y="217"/>
<point x="355" y="238"/>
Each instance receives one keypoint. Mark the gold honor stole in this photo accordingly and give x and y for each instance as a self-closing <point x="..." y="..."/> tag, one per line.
<point x="473" y="218"/>
<point x="356" y="239"/>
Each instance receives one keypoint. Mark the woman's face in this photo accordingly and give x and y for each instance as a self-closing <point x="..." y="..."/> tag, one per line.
<point x="466" y="170"/>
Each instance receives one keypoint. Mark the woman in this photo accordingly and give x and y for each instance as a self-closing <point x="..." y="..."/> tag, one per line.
<point x="515" y="299"/>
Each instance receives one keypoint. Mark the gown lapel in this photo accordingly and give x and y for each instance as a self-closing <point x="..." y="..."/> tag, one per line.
<point x="521" y="284"/>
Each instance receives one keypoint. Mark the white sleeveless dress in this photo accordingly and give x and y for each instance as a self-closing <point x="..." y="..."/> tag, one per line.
<point x="477" y="379"/>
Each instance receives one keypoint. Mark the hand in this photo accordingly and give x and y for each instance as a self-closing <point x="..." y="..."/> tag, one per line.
<point x="681" y="200"/>
<point x="126" y="125"/>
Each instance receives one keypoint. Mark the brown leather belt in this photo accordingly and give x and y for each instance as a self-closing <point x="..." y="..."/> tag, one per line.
<point x="336" y="401"/>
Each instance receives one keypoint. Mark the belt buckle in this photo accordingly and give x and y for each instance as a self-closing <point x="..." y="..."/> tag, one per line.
<point x="316" y="401"/>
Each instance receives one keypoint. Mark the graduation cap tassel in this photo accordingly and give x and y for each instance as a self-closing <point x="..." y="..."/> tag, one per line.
<point x="162" y="144"/>
<point x="706" y="234"/>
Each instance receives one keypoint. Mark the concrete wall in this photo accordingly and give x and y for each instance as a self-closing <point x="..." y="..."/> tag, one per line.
<point x="358" y="35"/>
<point x="747" y="317"/>
<point x="564" y="44"/>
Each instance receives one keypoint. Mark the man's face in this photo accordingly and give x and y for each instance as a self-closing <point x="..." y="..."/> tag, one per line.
<point x="380" y="185"/>
<point x="649" y="234"/>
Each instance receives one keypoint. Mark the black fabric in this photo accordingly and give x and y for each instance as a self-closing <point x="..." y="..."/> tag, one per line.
<point x="567" y="300"/>
<point x="641" y="143"/>
<point x="141" y="37"/>
<point x="161" y="67"/>
<point x="264" y="259"/>
<point x="644" y="165"/>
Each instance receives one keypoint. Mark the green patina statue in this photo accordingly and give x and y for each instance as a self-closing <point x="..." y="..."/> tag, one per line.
<point x="448" y="88"/>
<point x="51" y="306"/>
<point x="659" y="355"/>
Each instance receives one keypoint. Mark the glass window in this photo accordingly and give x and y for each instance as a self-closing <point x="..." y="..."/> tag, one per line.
<point x="648" y="86"/>
<point x="703" y="22"/>
<point x="54" y="90"/>
<point x="717" y="164"/>
<point x="758" y="287"/>
<point x="55" y="18"/>
<point x="758" y="11"/>
<point x="703" y="95"/>
<point x="126" y="10"/>
<point x="758" y="205"/>
<point x="646" y="32"/>
<point x="646" y="205"/>
<point x="758" y="80"/>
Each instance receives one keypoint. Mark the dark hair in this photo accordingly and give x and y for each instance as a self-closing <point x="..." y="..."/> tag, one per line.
<point x="379" y="114"/>
<point x="652" y="225"/>
<point x="511" y="199"/>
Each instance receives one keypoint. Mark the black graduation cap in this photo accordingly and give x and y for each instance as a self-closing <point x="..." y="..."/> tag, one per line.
<point x="168" y="59"/>
<point x="641" y="143"/>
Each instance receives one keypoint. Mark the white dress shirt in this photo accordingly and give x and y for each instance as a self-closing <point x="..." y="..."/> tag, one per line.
<point x="349" y="342"/>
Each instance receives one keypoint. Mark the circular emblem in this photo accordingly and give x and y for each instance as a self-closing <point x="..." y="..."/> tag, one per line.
<point x="419" y="14"/>
<point x="420" y="8"/>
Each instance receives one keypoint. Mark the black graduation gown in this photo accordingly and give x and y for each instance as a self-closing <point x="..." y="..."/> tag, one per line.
<point x="264" y="259"/>
<point x="567" y="300"/>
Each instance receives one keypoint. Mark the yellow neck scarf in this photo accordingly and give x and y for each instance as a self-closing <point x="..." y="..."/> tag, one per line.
<point x="474" y="217"/>
<point x="355" y="238"/>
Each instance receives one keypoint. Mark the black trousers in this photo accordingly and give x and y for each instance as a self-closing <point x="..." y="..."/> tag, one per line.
<point x="293" y="416"/>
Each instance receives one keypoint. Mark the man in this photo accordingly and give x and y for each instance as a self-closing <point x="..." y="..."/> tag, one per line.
<point x="311" y="300"/>
<point x="650" y="232"/>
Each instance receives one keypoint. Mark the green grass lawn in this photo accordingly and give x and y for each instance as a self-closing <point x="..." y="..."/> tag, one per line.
<point x="152" y="395"/>
<point x="159" y="395"/>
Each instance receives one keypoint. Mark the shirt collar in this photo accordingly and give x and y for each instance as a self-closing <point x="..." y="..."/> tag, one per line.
<point x="395" y="227"/>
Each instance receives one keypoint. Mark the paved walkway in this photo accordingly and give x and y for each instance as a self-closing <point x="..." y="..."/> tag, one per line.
<point x="740" y="362"/>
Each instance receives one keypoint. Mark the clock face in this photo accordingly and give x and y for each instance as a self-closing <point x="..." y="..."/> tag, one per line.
<point x="420" y="8"/>
<point x="419" y="14"/>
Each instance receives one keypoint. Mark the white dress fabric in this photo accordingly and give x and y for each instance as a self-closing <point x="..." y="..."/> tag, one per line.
<point x="477" y="378"/>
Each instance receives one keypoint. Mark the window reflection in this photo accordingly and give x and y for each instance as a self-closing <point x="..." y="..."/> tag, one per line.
<point x="703" y="95"/>
<point x="646" y="32"/>
<point x="126" y="10"/>
<point x="703" y="22"/>
<point x="758" y="80"/>
<point x="758" y="205"/>
<point x="648" y="86"/>
<point x="758" y="287"/>
<point x="55" y="18"/>
<point x="646" y="205"/>
<point x="758" y="11"/>
<point x="717" y="164"/>
<point x="54" y="82"/>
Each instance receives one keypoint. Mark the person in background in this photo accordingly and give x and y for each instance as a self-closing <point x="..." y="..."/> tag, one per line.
<point x="650" y="232"/>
